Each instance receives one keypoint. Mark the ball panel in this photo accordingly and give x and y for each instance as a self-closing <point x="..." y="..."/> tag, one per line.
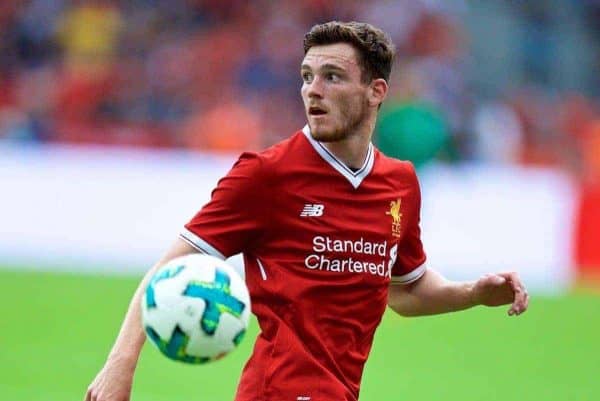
<point x="175" y="348"/>
<point x="218" y="298"/>
<point x="239" y="337"/>
<point x="163" y="274"/>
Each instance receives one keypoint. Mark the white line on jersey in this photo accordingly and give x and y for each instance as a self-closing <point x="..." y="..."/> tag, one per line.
<point x="303" y="398"/>
<point x="263" y="273"/>
<point x="312" y="210"/>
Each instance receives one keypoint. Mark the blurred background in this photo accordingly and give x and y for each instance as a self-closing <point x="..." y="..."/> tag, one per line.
<point x="118" y="117"/>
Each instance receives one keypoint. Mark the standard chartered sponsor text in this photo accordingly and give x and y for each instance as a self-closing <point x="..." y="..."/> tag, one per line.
<point x="352" y="264"/>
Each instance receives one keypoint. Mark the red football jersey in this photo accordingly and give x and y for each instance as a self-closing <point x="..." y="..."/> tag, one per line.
<point x="321" y="244"/>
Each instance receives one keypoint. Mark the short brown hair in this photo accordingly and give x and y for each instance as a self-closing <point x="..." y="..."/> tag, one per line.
<point x="375" y="48"/>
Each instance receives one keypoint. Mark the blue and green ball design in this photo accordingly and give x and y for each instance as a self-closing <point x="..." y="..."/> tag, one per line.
<point x="218" y="301"/>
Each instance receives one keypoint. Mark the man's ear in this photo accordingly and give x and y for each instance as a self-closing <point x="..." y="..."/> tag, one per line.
<point x="377" y="92"/>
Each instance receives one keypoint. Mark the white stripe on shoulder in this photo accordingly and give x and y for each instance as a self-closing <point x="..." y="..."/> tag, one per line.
<point x="410" y="277"/>
<point x="200" y="244"/>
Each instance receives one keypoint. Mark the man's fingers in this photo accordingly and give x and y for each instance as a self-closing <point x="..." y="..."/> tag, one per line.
<point x="521" y="297"/>
<point x="519" y="306"/>
<point x="526" y="304"/>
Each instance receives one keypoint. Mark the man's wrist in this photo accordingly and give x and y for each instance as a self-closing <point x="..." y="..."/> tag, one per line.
<point x="472" y="294"/>
<point x="124" y="357"/>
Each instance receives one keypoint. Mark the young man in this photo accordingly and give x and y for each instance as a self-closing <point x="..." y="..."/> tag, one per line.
<point x="329" y="229"/>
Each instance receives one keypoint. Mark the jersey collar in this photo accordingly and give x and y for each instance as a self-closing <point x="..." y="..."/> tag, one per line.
<point x="354" y="177"/>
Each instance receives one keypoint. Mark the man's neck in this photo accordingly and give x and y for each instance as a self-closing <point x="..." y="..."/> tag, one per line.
<point x="352" y="150"/>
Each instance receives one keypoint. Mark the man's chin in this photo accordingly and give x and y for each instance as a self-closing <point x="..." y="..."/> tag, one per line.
<point x="325" y="135"/>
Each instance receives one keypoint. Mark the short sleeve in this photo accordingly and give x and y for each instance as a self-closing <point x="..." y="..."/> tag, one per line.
<point x="410" y="256"/>
<point x="233" y="218"/>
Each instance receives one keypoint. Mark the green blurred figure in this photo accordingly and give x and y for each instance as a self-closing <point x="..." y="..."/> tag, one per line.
<point x="412" y="130"/>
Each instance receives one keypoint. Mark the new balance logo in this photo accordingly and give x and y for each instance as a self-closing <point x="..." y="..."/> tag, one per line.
<point x="312" y="210"/>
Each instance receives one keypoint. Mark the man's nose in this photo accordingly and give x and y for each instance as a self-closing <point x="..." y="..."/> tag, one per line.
<point x="315" y="88"/>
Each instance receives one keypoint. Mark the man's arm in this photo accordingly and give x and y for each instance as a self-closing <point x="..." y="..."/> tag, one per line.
<point x="433" y="294"/>
<point x="113" y="382"/>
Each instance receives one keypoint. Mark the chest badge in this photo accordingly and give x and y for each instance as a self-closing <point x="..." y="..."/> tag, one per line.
<point x="396" y="216"/>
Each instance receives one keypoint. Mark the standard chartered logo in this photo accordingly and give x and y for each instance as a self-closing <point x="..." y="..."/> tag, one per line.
<point x="380" y="260"/>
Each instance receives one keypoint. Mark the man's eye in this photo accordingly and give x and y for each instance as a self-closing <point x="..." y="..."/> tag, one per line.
<point x="333" y="77"/>
<point x="306" y="77"/>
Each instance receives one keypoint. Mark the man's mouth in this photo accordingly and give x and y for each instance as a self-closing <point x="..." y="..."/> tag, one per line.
<point x="316" y="111"/>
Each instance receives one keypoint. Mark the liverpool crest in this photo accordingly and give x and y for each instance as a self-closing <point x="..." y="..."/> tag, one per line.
<point x="396" y="216"/>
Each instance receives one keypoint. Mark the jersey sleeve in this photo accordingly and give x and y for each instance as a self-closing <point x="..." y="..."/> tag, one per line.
<point x="233" y="218"/>
<point x="410" y="258"/>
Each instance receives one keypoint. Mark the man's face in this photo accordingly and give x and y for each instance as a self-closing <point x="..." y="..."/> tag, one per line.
<point x="335" y="98"/>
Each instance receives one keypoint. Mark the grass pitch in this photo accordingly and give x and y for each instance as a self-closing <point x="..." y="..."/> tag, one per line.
<point x="56" y="329"/>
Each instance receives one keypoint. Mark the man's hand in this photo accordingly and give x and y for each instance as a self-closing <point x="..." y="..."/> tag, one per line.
<point x="501" y="289"/>
<point x="113" y="382"/>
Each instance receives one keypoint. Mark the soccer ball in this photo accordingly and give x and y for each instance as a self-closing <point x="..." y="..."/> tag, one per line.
<point x="195" y="309"/>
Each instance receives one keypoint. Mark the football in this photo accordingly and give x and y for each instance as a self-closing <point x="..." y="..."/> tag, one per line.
<point x="195" y="309"/>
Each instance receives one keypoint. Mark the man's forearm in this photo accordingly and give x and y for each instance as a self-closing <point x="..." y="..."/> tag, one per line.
<point x="129" y="342"/>
<point x="431" y="294"/>
<point x="131" y="337"/>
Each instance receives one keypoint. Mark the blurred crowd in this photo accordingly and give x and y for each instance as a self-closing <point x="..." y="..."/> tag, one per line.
<point x="499" y="82"/>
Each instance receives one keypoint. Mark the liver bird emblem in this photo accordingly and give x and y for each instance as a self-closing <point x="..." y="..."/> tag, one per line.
<point x="395" y="211"/>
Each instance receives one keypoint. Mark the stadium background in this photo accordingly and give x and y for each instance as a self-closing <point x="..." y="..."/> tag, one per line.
<point x="117" y="117"/>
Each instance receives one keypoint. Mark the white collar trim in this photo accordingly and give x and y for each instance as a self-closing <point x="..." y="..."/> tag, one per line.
<point x="355" y="177"/>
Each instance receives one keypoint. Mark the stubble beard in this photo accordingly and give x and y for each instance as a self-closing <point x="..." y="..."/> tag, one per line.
<point x="351" y="122"/>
